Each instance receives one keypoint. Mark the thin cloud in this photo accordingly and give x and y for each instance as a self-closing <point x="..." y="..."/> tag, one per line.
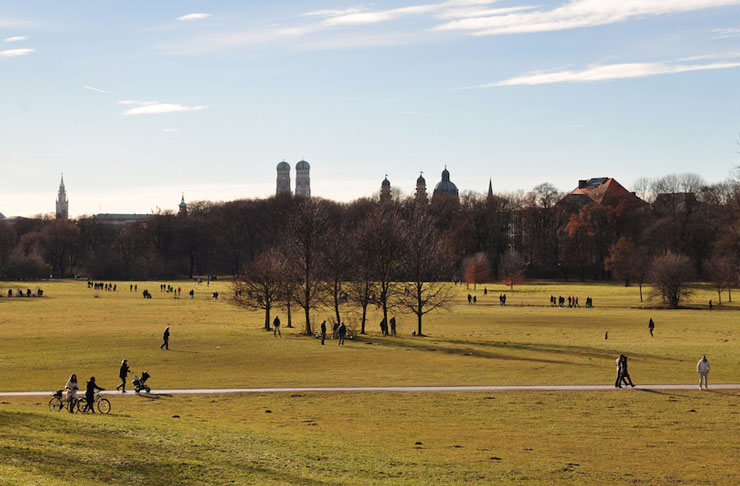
<point x="16" y="38"/>
<point x="16" y="52"/>
<point x="157" y="108"/>
<point x="578" y="14"/>
<point x="725" y="33"/>
<point x="607" y="72"/>
<point x="194" y="16"/>
<point x="97" y="90"/>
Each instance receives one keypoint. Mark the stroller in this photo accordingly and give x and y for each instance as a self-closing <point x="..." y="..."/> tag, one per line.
<point x="140" y="383"/>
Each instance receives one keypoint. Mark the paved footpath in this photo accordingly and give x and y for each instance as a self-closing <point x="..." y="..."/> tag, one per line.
<point x="416" y="389"/>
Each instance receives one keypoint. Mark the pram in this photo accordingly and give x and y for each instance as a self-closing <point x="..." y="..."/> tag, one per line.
<point x="140" y="383"/>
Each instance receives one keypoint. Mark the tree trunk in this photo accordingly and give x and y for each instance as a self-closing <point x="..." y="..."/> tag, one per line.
<point x="729" y="295"/>
<point x="418" y="331"/>
<point x="719" y="295"/>
<point x="640" y="292"/>
<point x="364" y="315"/>
<point x="290" y="315"/>
<point x="267" y="318"/>
<point x="192" y="265"/>
<point x="308" y="321"/>
<point x="336" y="302"/>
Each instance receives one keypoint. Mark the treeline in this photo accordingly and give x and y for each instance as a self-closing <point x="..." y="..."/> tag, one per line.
<point x="556" y="237"/>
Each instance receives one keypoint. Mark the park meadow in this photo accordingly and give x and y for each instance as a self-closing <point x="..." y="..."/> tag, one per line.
<point x="566" y="437"/>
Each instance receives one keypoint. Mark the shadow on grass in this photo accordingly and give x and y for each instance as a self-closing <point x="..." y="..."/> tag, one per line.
<point x="125" y="452"/>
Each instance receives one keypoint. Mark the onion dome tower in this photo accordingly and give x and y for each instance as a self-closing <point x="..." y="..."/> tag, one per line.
<point x="303" y="179"/>
<point x="62" y="202"/>
<point x="283" y="178"/>
<point x="420" y="198"/>
<point x="385" y="190"/>
<point x="445" y="188"/>
<point x="183" y="206"/>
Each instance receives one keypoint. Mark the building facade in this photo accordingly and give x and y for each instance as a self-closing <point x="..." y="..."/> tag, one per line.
<point x="302" y="179"/>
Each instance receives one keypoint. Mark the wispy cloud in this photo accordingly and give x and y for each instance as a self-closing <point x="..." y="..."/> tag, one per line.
<point x="97" y="90"/>
<point x="16" y="52"/>
<point x="607" y="72"/>
<point x="577" y="14"/>
<point x="157" y="108"/>
<point x="194" y="16"/>
<point x="725" y="33"/>
<point x="16" y="38"/>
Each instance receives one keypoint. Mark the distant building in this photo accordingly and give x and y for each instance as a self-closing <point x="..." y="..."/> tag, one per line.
<point x="445" y="189"/>
<point x="62" y="211"/>
<point x="303" y="179"/>
<point x="490" y="188"/>
<point x="283" y="178"/>
<point x="120" y="219"/>
<point x="599" y="190"/>
<point x="385" y="190"/>
<point x="420" y="197"/>
<point x="182" y="207"/>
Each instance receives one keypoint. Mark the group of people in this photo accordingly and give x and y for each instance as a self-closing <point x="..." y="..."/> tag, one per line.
<point x="623" y="376"/>
<point x="71" y="388"/>
<point x="385" y="330"/>
<point x="27" y="293"/>
<point x="472" y="299"/>
<point x="110" y="287"/>
<point x="572" y="301"/>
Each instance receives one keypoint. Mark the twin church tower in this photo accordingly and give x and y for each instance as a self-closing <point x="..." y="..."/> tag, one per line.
<point x="302" y="178"/>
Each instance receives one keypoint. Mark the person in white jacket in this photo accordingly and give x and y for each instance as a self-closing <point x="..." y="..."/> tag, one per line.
<point x="71" y="387"/>
<point x="702" y="367"/>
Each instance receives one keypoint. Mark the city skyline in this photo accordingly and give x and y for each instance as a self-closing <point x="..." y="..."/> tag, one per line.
<point x="137" y="103"/>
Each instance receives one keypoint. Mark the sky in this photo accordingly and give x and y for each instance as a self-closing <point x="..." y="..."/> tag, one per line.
<point x="138" y="102"/>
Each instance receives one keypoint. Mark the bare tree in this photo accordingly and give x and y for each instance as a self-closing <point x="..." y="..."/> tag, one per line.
<point x="260" y="284"/>
<point x="721" y="270"/>
<point x="425" y="267"/>
<point x="628" y="262"/>
<point x="336" y="265"/>
<point x="308" y="225"/>
<point x="361" y="284"/>
<point x="381" y="234"/>
<point x="670" y="275"/>
<point x="512" y="267"/>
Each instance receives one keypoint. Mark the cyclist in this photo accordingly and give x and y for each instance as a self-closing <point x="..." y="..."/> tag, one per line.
<point x="90" y="395"/>
<point x="71" y="389"/>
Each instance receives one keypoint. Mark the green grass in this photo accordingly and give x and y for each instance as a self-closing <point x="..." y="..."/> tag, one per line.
<point x="611" y="437"/>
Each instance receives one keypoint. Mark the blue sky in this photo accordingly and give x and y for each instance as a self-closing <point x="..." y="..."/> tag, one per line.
<point x="138" y="101"/>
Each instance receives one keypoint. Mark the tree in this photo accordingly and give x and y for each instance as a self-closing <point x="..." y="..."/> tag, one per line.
<point x="628" y="262"/>
<point x="425" y="267"/>
<point x="721" y="270"/>
<point x="336" y="268"/>
<point x="260" y="284"/>
<point x="59" y="241"/>
<point x="477" y="269"/>
<point x="7" y="243"/>
<point x="307" y="227"/>
<point x="512" y="267"/>
<point x="670" y="275"/>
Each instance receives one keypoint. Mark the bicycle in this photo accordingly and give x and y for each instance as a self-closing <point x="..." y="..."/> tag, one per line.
<point x="102" y="404"/>
<point x="56" y="404"/>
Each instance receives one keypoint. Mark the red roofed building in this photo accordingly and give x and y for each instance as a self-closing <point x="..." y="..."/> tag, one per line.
<point x="599" y="190"/>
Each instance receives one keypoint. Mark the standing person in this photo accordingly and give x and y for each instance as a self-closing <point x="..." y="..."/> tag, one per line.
<point x="166" y="339"/>
<point x="710" y="304"/>
<point x="342" y="331"/>
<point x="71" y="388"/>
<point x="276" y="327"/>
<point x="393" y="326"/>
<point x="90" y="394"/>
<point x="122" y="373"/>
<point x="702" y="367"/>
<point x="323" y="332"/>
<point x="651" y="326"/>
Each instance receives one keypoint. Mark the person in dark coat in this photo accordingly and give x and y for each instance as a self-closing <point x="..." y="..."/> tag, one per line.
<point x="651" y="326"/>
<point x="122" y="373"/>
<point x="341" y="332"/>
<point x="323" y="332"/>
<point x="393" y="326"/>
<point x="623" y="375"/>
<point x="166" y="339"/>
<point x="90" y="395"/>
<point x="276" y="327"/>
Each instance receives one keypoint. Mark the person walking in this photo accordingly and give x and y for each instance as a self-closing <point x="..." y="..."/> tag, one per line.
<point x="71" y="388"/>
<point x="393" y="326"/>
<point x="122" y="373"/>
<point x="90" y="394"/>
<point x="702" y="367"/>
<point x="323" y="332"/>
<point x="166" y="339"/>
<point x="276" y="327"/>
<point x="341" y="332"/>
<point x="623" y="375"/>
<point x="651" y="326"/>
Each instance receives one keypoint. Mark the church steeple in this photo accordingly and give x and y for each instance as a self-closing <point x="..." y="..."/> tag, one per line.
<point x="62" y="211"/>
<point x="490" y="188"/>
<point x="183" y="206"/>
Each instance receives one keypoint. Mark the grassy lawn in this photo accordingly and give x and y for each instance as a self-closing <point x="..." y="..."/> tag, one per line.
<point x="612" y="437"/>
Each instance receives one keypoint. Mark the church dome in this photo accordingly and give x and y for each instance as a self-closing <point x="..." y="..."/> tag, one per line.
<point x="386" y="182"/>
<point x="303" y="165"/>
<point x="446" y="186"/>
<point x="283" y="166"/>
<point x="2" y="216"/>
<point x="421" y="180"/>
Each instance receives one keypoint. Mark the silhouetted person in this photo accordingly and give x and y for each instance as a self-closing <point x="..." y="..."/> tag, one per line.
<point x="323" y="332"/>
<point x="651" y="326"/>
<point x="90" y="395"/>
<point x="341" y="332"/>
<point x="470" y="299"/>
<point x="122" y="373"/>
<point x="166" y="339"/>
<point x="393" y="326"/>
<point x="710" y="304"/>
<point x="276" y="327"/>
<point x="623" y="375"/>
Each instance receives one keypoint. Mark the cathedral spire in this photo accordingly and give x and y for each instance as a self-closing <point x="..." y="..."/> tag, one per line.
<point x="490" y="188"/>
<point x="62" y="209"/>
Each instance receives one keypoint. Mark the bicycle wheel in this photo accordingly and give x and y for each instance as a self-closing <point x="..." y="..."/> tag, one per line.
<point x="81" y="404"/>
<point x="103" y="405"/>
<point x="55" y="404"/>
